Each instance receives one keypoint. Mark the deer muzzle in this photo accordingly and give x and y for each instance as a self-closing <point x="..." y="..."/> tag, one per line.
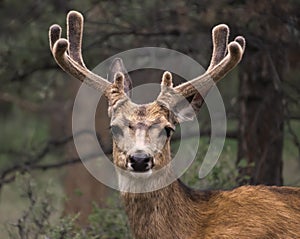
<point x="140" y="162"/>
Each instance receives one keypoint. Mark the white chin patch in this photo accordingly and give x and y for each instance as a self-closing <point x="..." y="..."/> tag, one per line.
<point x="145" y="174"/>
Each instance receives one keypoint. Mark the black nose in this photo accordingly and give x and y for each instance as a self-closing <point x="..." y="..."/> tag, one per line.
<point x="140" y="162"/>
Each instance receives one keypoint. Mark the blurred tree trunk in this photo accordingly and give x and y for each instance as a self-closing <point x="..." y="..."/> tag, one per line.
<point x="81" y="188"/>
<point x="261" y="118"/>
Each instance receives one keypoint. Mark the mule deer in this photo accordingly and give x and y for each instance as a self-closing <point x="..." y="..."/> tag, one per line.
<point x="141" y="146"/>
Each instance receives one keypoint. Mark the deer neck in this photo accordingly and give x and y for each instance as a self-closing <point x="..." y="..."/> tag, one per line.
<point x="166" y="212"/>
<point x="170" y="212"/>
<point x="163" y="213"/>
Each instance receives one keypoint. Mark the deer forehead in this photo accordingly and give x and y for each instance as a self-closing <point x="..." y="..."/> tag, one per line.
<point x="141" y="116"/>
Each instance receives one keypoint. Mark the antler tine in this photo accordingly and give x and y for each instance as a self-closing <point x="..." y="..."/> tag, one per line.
<point x="72" y="63"/>
<point x="219" y="65"/>
<point x="74" y="34"/>
<point x="220" y="36"/>
<point x="54" y="34"/>
<point x="241" y="40"/>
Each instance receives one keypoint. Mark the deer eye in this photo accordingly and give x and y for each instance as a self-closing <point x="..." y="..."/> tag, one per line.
<point x="130" y="126"/>
<point x="116" y="130"/>
<point x="167" y="131"/>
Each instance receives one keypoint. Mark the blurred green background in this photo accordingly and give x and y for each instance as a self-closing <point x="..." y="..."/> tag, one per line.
<point x="44" y="190"/>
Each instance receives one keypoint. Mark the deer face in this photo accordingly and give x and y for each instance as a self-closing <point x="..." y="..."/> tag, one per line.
<point x="141" y="133"/>
<point x="141" y="136"/>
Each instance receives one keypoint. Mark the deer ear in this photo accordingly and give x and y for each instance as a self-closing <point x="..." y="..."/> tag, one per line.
<point x="117" y="65"/>
<point x="181" y="107"/>
<point x="189" y="108"/>
<point x="183" y="111"/>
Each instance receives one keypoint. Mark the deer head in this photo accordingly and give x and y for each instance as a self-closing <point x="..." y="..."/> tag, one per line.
<point x="141" y="133"/>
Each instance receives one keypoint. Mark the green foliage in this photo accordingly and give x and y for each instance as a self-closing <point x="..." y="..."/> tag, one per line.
<point x="223" y="175"/>
<point x="35" y="221"/>
<point x="109" y="222"/>
<point x="22" y="135"/>
<point x="65" y="228"/>
<point x="104" y="223"/>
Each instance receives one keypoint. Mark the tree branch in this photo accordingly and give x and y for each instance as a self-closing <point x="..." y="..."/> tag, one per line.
<point x="34" y="162"/>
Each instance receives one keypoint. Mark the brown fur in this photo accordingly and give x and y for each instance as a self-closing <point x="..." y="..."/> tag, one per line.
<point x="245" y="212"/>
<point x="177" y="211"/>
<point x="180" y="212"/>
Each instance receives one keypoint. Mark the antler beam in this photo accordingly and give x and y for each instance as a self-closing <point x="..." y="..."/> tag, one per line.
<point x="67" y="52"/>
<point x="220" y="63"/>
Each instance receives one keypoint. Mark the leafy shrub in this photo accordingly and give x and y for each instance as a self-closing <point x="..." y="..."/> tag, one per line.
<point x="35" y="223"/>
